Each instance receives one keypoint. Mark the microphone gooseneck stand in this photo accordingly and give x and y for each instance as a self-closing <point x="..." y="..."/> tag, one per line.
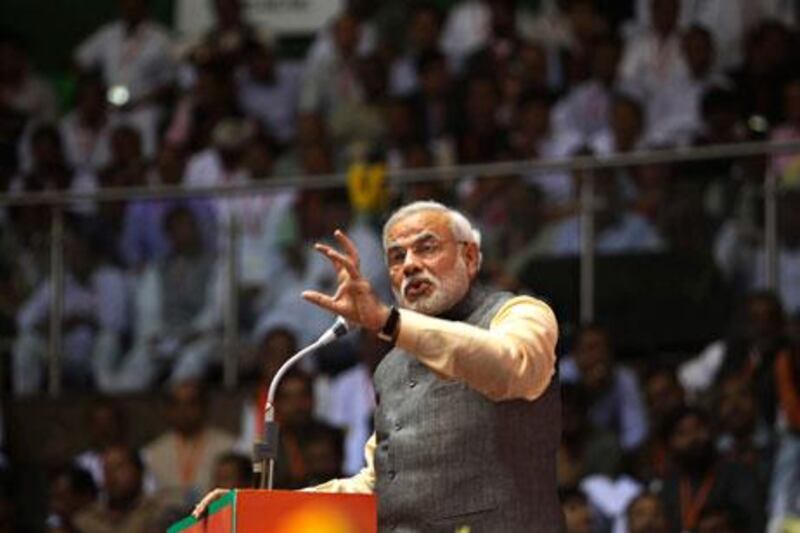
<point x="265" y="451"/>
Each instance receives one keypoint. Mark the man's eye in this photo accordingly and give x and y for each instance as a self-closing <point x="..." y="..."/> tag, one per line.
<point x="427" y="247"/>
<point x="396" y="257"/>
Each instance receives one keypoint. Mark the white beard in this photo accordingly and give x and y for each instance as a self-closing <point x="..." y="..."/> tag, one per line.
<point x="445" y="293"/>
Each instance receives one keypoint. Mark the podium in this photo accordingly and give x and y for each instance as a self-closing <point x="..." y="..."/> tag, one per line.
<point x="277" y="511"/>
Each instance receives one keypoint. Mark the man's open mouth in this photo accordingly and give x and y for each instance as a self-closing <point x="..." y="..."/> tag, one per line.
<point x="417" y="288"/>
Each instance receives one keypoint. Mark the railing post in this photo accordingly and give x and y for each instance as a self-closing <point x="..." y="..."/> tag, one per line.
<point x="231" y="319"/>
<point x="771" y="230"/>
<point x="586" y="236"/>
<point x="54" y="343"/>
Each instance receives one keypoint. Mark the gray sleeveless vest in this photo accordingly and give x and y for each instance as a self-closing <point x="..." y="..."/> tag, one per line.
<point x="448" y="457"/>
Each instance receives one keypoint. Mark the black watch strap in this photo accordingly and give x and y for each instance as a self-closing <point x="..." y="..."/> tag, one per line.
<point x="388" y="333"/>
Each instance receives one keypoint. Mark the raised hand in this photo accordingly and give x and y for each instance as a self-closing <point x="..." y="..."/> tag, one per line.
<point x="355" y="299"/>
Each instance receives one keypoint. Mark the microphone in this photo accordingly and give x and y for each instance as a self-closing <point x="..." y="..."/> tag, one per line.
<point x="265" y="452"/>
<point x="339" y="329"/>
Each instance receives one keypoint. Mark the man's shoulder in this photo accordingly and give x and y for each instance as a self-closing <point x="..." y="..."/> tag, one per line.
<point x="159" y="444"/>
<point x="219" y="437"/>
<point x="520" y="302"/>
<point x="91" y="517"/>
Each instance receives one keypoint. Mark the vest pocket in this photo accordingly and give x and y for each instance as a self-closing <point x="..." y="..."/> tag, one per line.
<point x="462" y="512"/>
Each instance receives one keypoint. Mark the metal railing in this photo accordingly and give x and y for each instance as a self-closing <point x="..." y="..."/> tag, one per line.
<point x="59" y="201"/>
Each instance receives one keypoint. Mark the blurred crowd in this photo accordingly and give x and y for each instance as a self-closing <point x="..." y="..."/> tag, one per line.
<point x="710" y="444"/>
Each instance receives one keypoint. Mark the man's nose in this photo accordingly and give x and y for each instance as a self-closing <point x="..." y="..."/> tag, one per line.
<point x="411" y="265"/>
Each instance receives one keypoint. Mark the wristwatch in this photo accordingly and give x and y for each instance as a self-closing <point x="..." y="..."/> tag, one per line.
<point x="388" y="333"/>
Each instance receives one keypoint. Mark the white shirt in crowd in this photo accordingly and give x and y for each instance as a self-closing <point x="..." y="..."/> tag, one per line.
<point x="673" y="111"/>
<point x="585" y="110"/>
<point x="258" y="216"/>
<point x="285" y="306"/>
<point x="729" y="21"/>
<point x="274" y="104"/>
<point x="83" y="147"/>
<point x="105" y="298"/>
<point x="650" y="62"/>
<point x="556" y="186"/>
<point x="746" y="263"/>
<point x="139" y="61"/>
<point x="347" y="401"/>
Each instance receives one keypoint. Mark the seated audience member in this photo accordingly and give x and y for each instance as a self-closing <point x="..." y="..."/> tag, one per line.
<point x="232" y="471"/>
<point x="275" y="345"/>
<point x="618" y="229"/>
<point x="224" y="44"/>
<point x="323" y="455"/>
<point x="664" y="396"/>
<point x="257" y="217"/>
<point x="785" y="483"/>
<point x="433" y="101"/>
<point x="49" y="169"/>
<point x="757" y="335"/>
<point x="739" y="247"/>
<point x="701" y="479"/>
<point x="21" y="88"/>
<point x="199" y="109"/>
<point x="133" y="56"/>
<point x="577" y="512"/>
<point x="422" y="37"/>
<point x="347" y="401"/>
<point x="294" y="407"/>
<point x="615" y="398"/>
<point x="178" y="309"/>
<point x="585" y="450"/>
<point x="144" y="237"/>
<point x="645" y="514"/>
<point x="107" y="426"/>
<point x="673" y="112"/>
<point x="296" y="266"/>
<point x="126" y="509"/>
<point x="127" y="168"/>
<point x="743" y="436"/>
<point x="586" y="108"/>
<point x="86" y="129"/>
<point x="480" y="136"/>
<point x="509" y="220"/>
<point x="94" y="313"/>
<point x="267" y="89"/>
<point x="182" y="459"/>
<point x="653" y="57"/>
<point x="71" y="490"/>
<point x="330" y="80"/>
<point x="626" y="128"/>
<point x="535" y="137"/>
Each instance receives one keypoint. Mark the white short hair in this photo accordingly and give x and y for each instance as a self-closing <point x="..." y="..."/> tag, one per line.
<point x="462" y="228"/>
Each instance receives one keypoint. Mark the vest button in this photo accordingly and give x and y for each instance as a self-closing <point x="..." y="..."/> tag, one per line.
<point x="392" y="474"/>
<point x="397" y="426"/>
<point x="412" y="383"/>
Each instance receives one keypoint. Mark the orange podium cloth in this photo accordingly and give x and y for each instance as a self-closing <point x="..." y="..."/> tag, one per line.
<point x="262" y="511"/>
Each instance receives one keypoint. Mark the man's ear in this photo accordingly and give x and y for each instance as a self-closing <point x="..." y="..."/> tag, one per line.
<point x="472" y="258"/>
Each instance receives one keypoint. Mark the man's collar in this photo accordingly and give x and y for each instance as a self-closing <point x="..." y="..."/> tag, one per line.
<point x="468" y="304"/>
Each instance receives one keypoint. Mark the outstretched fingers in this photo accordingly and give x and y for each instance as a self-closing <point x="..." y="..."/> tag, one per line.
<point x="339" y="260"/>
<point x="348" y="245"/>
<point x="322" y="300"/>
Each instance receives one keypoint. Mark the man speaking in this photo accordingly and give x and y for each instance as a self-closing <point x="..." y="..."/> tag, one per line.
<point x="468" y="418"/>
